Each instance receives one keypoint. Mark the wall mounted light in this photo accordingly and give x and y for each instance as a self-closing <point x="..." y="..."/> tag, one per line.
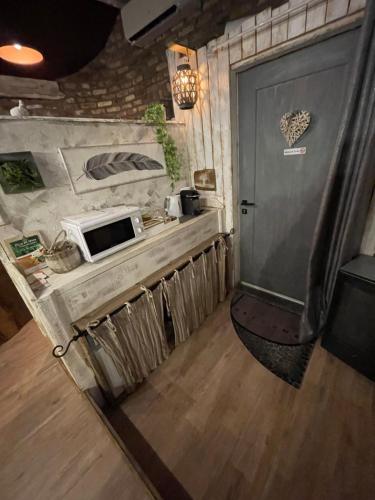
<point x="185" y="86"/>
<point x="20" y="54"/>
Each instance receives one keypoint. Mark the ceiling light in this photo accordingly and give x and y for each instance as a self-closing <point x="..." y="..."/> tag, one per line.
<point x="19" y="54"/>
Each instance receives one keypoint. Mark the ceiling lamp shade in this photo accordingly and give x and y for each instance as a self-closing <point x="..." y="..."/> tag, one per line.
<point x="185" y="86"/>
<point x="19" y="54"/>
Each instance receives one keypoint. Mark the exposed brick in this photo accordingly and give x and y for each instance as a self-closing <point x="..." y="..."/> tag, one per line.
<point x="186" y="31"/>
<point x="127" y="85"/>
<point x="70" y="85"/>
<point x="178" y="27"/>
<point x="142" y="108"/>
<point x="114" y="88"/>
<point x="122" y="93"/>
<point x="88" y="105"/>
<point x="114" y="64"/>
<point x="122" y="70"/>
<point x="123" y="79"/>
<point x="104" y="104"/>
<point x="99" y="91"/>
<point x="113" y="109"/>
<point x="84" y="93"/>
<point x="152" y="61"/>
<point x="131" y="74"/>
<point x="161" y="65"/>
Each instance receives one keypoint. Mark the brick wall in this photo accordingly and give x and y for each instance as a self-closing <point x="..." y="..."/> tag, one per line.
<point x="123" y="79"/>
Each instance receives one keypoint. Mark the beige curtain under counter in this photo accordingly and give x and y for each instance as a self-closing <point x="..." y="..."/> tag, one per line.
<point x="212" y="282"/>
<point x="221" y="257"/>
<point x="200" y="268"/>
<point x="106" y="335"/>
<point x="134" y="337"/>
<point x="193" y="292"/>
<point x="174" y="295"/>
<point x="190" y="292"/>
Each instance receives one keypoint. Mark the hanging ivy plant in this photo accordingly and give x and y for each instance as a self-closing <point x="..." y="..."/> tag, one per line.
<point x="155" y="115"/>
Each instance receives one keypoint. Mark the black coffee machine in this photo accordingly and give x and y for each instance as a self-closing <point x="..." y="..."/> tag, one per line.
<point x="190" y="203"/>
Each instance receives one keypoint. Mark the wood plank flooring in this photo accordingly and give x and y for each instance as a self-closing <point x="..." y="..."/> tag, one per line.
<point x="13" y="311"/>
<point x="52" y="443"/>
<point x="229" y="429"/>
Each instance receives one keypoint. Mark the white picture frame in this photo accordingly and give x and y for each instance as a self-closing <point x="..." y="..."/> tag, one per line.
<point x="75" y="158"/>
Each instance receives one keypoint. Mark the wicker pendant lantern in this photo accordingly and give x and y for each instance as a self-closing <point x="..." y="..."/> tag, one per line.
<point x="185" y="86"/>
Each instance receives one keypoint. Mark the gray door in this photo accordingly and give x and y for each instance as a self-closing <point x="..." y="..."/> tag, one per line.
<point x="283" y="193"/>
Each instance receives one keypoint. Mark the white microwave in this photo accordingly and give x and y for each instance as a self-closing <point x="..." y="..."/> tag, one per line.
<point x="100" y="233"/>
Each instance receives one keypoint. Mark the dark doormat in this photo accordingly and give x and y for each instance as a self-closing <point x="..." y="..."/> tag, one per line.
<point x="270" y="333"/>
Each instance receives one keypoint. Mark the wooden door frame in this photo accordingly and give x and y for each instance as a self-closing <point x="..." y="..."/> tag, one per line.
<point x="306" y="40"/>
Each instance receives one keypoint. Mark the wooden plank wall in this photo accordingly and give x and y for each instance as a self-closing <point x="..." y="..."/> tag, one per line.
<point x="208" y="124"/>
<point x="203" y="123"/>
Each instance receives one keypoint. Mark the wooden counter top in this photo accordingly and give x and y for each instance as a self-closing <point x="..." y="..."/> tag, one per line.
<point x="63" y="282"/>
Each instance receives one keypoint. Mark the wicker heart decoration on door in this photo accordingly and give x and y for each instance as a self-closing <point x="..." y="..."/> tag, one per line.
<point x="293" y="125"/>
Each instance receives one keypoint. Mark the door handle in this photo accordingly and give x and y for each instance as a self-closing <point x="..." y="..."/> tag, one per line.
<point x="245" y="203"/>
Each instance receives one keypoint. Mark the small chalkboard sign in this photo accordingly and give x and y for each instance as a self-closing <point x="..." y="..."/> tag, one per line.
<point x="27" y="252"/>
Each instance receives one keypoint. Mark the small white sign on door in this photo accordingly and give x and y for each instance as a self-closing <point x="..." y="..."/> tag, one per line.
<point x="294" y="151"/>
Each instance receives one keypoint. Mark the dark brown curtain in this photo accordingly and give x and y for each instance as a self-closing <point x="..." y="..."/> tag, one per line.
<point x="350" y="184"/>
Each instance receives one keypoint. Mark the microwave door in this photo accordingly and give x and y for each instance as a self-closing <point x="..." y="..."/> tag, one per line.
<point x="105" y="237"/>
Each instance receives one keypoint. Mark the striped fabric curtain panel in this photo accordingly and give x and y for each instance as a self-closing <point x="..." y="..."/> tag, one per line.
<point x="177" y="306"/>
<point x="221" y="256"/>
<point x="194" y="292"/>
<point x="200" y="286"/>
<point x="134" y="337"/>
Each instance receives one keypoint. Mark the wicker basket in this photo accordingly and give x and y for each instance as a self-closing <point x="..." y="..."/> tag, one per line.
<point x="64" y="255"/>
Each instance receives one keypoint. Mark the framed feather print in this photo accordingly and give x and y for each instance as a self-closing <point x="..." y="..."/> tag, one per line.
<point x="96" y="167"/>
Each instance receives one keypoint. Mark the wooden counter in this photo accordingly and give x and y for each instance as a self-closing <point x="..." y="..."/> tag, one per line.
<point x="123" y="265"/>
<point x="79" y="292"/>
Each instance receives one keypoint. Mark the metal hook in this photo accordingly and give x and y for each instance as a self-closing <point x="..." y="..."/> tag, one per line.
<point x="56" y="352"/>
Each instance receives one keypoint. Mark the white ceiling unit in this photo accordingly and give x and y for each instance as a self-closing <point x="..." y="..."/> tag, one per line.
<point x="144" y="20"/>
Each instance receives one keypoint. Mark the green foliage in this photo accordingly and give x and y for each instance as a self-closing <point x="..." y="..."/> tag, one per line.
<point x="18" y="176"/>
<point x="155" y="115"/>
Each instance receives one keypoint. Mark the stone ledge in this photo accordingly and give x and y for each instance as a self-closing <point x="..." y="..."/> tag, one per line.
<point x="53" y="119"/>
<point x="30" y="88"/>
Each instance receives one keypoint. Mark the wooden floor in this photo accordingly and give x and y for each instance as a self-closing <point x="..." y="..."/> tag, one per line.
<point x="13" y="311"/>
<point x="52" y="443"/>
<point x="229" y="429"/>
